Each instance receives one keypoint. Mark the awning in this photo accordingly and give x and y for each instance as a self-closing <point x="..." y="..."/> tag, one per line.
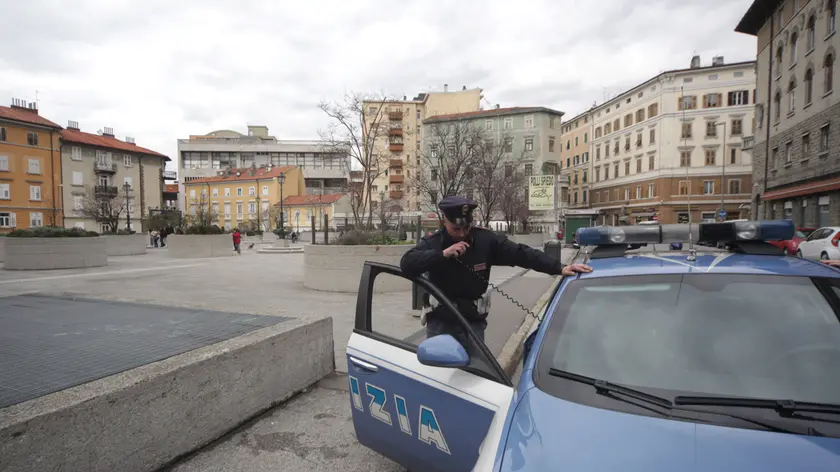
<point x="804" y="189"/>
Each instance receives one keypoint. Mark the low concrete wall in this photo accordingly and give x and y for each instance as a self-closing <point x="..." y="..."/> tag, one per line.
<point x="142" y="419"/>
<point x="54" y="253"/>
<point x="199" y="245"/>
<point x="2" y="248"/>
<point x="127" y="245"/>
<point x="336" y="268"/>
<point x="535" y="239"/>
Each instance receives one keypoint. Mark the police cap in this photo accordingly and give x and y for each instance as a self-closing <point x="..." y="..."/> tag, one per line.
<point x="458" y="210"/>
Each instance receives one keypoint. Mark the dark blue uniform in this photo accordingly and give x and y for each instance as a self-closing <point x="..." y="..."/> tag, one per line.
<point x="452" y="275"/>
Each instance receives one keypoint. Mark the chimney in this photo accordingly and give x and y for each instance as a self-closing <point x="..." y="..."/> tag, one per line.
<point x="695" y="62"/>
<point x="445" y="87"/>
<point x="73" y="125"/>
<point x="717" y="61"/>
<point x="497" y="106"/>
<point x="464" y="87"/>
<point x="405" y="98"/>
<point x="108" y="132"/>
<point x="129" y="140"/>
<point x="24" y="105"/>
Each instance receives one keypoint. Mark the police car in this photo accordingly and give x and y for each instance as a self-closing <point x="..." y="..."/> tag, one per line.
<point x="704" y="359"/>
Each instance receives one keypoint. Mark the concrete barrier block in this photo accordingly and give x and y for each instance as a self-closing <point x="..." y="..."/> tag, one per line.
<point x="336" y="268"/>
<point x="126" y="245"/>
<point x="2" y="248"/>
<point x="142" y="419"/>
<point x="182" y="246"/>
<point x="54" y="253"/>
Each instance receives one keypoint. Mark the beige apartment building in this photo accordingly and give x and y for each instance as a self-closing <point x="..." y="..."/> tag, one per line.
<point x="403" y="120"/>
<point x="575" y="160"/>
<point x="671" y="148"/>
<point x="103" y="164"/>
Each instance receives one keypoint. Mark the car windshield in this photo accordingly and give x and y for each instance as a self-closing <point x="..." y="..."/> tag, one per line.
<point x="757" y="336"/>
<point x="800" y="234"/>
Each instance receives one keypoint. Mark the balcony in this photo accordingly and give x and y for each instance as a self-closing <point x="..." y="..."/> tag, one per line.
<point x="395" y="194"/>
<point x="395" y="115"/>
<point x="395" y="163"/>
<point x="106" y="190"/>
<point x="397" y="132"/>
<point x="396" y="147"/>
<point x="105" y="167"/>
<point x="396" y="179"/>
<point x="170" y="175"/>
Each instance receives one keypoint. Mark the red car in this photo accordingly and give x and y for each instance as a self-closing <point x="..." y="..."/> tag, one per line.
<point x="791" y="245"/>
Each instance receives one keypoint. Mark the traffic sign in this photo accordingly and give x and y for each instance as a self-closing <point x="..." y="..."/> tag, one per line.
<point x="722" y="213"/>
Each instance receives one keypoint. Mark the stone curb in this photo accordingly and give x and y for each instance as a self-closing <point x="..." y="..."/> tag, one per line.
<point x="512" y="351"/>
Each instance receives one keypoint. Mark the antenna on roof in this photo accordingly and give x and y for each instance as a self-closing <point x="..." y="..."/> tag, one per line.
<point x="692" y="252"/>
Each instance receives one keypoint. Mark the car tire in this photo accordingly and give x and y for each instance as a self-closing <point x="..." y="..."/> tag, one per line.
<point x="824" y="256"/>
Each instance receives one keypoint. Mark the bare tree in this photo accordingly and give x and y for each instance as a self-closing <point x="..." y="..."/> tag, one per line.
<point x="496" y="171"/>
<point x="447" y="161"/>
<point x="358" y="129"/>
<point x="513" y="202"/>
<point x="104" y="205"/>
<point x="201" y="213"/>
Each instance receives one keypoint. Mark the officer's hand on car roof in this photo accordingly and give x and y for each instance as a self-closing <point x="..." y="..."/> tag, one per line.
<point x="573" y="269"/>
<point x="832" y="263"/>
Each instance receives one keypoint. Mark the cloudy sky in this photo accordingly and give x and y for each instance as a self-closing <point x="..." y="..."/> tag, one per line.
<point x="159" y="70"/>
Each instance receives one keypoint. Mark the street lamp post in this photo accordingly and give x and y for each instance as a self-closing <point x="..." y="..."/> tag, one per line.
<point x="127" y="188"/>
<point x="382" y="211"/>
<point x="723" y="172"/>
<point x="282" y="179"/>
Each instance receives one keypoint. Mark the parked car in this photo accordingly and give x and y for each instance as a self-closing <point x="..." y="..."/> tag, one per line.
<point x="823" y="243"/>
<point x="791" y="246"/>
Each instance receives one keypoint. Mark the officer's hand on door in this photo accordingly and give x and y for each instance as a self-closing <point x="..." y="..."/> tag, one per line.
<point x="573" y="269"/>
<point x="456" y="250"/>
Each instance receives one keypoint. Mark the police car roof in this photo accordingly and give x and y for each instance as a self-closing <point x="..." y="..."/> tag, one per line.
<point x="676" y="262"/>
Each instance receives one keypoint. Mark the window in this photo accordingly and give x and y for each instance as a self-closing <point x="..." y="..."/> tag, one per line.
<point x="4" y="162"/>
<point x="639" y="140"/>
<point x="227" y="211"/>
<point x="627" y="144"/>
<point x="585" y="137"/>
<point x="32" y="138"/>
<point x="733" y="156"/>
<point x="651" y="191"/>
<point x="628" y="120"/>
<point x="794" y="43"/>
<point x="788" y="152"/>
<point x="36" y="219"/>
<point x="653" y="110"/>
<point x="227" y="191"/>
<point x="683" y="189"/>
<point x="711" y="129"/>
<point x="775" y="159"/>
<point x="792" y="96"/>
<point x="617" y="124"/>
<point x="652" y="136"/>
<point x="824" y="138"/>
<point x="239" y="209"/>
<point x="606" y="172"/>
<point x="809" y="86"/>
<point x="627" y="168"/>
<point x="779" y="56"/>
<point x="831" y="18"/>
<point x="488" y="124"/>
<point x="615" y="170"/>
<point x="638" y="192"/>
<point x="708" y="187"/>
<point x="529" y="169"/>
<point x="127" y="160"/>
<point x="5" y="192"/>
<point x="736" y="127"/>
<point x="265" y="190"/>
<point x="508" y="123"/>
<point x="215" y="192"/>
<point x="607" y="128"/>
<point x="607" y="150"/>
<point x="638" y="166"/>
<point x="627" y="194"/>
<point x="651" y="161"/>
<point x="810" y="33"/>
<point x="508" y="145"/>
<point x="739" y="97"/>
<point x="711" y="156"/>
<point x="734" y="186"/>
<point x="640" y="115"/>
<point x="252" y="208"/>
<point x="76" y="153"/>
<point x="252" y="191"/>
<point x="829" y="73"/>
<point x="192" y="193"/>
<point x="597" y="132"/>
<point x="550" y="144"/>
<point x="529" y="144"/>
<point x="78" y="202"/>
<point x="529" y="121"/>
<point x="686" y="130"/>
<point x="34" y="192"/>
<point x="78" y="178"/>
<point x="239" y="191"/>
<point x="34" y="166"/>
<point x="598" y="153"/>
<point x="576" y="141"/>
<point x="2" y="134"/>
<point x="434" y="173"/>
<point x="806" y="145"/>
<point x="712" y="100"/>
<point x="685" y="158"/>
<point x="777" y="104"/>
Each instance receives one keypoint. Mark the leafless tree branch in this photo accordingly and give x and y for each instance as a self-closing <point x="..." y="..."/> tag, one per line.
<point x="104" y="205"/>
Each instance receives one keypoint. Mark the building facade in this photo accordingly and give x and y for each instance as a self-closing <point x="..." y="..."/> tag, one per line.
<point x="96" y="166"/>
<point x="670" y="149"/>
<point x="575" y="160"/>
<point x="30" y="168"/>
<point x="300" y="209"/>
<point x="201" y="156"/>
<point x="243" y="197"/>
<point x="401" y="132"/>
<point x="797" y="139"/>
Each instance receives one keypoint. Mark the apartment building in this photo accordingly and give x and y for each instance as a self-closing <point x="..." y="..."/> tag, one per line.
<point x="797" y="139"/>
<point x="243" y="197"/>
<point x="529" y="133"/>
<point x="575" y="160"/>
<point x="671" y="148"/>
<point x="324" y="170"/>
<point x="30" y="168"/>
<point x="101" y="164"/>
<point x="403" y="120"/>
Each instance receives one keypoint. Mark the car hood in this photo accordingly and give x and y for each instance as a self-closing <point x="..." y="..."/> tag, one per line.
<point x="549" y="434"/>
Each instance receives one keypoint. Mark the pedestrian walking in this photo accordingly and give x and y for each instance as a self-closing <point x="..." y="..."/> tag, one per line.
<point x="458" y="259"/>
<point x="155" y="237"/>
<point x="237" y="240"/>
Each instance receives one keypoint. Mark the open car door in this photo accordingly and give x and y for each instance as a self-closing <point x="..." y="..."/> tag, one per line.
<point x="427" y="406"/>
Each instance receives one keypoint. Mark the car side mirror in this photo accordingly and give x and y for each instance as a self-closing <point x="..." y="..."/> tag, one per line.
<point x="442" y="351"/>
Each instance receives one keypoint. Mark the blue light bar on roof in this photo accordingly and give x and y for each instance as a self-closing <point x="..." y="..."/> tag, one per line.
<point x="679" y="233"/>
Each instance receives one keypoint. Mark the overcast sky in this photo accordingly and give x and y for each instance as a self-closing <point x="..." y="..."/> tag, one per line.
<point x="159" y="70"/>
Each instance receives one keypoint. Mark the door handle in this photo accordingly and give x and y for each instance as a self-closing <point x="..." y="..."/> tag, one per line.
<point x="364" y="365"/>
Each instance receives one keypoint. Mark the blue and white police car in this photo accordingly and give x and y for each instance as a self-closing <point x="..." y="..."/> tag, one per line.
<point x="704" y="359"/>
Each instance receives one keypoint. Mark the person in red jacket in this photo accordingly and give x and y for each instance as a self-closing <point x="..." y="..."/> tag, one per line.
<point x="237" y="239"/>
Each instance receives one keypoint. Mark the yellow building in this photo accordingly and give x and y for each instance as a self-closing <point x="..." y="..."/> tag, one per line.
<point x="575" y="159"/>
<point x="30" y="169"/>
<point x="243" y="198"/>
<point x="299" y="210"/>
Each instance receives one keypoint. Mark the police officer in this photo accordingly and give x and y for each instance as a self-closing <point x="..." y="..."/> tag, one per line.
<point x="450" y="254"/>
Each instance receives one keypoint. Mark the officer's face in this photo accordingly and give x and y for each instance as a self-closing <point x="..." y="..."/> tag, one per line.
<point x="457" y="232"/>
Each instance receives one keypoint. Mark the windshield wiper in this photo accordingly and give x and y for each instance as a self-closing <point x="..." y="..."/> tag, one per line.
<point x="603" y="387"/>
<point x="783" y="407"/>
